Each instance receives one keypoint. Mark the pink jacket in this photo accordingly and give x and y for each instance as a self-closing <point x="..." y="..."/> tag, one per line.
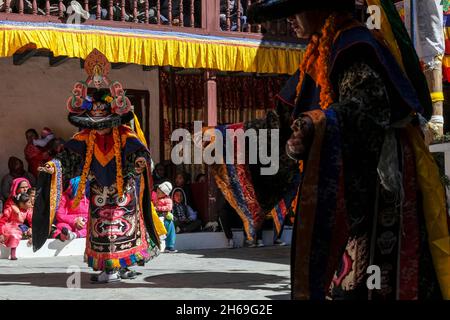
<point x="67" y="214"/>
<point x="10" y="217"/>
<point x="162" y="204"/>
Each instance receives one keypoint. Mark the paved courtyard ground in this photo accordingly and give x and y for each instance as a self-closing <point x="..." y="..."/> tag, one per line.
<point x="219" y="274"/>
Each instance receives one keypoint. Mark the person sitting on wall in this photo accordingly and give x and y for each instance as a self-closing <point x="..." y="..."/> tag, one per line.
<point x="18" y="186"/>
<point x="184" y="216"/>
<point x="12" y="227"/>
<point x="182" y="181"/>
<point x="163" y="206"/>
<point x="71" y="223"/>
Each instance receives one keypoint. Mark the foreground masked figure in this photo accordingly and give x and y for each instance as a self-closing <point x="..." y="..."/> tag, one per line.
<point x="114" y="165"/>
<point x="370" y="192"/>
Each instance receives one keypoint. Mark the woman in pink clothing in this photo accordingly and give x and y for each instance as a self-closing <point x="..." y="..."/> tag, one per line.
<point x="18" y="186"/>
<point x="71" y="222"/>
<point x="12" y="227"/>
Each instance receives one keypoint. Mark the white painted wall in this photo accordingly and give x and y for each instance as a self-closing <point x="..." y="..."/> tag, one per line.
<point x="33" y="95"/>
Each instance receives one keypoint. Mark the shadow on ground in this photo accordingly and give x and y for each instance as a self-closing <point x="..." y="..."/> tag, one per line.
<point x="195" y="280"/>
<point x="273" y="254"/>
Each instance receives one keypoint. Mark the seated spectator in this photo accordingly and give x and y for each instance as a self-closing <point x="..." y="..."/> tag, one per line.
<point x="184" y="216"/>
<point x="28" y="7"/>
<point x="71" y="223"/>
<point x="3" y="6"/>
<point x="18" y="186"/>
<point x="164" y="12"/>
<point x="159" y="175"/>
<point x="16" y="170"/>
<point x="181" y="181"/>
<point x="163" y="206"/>
<point x="55" y="147"/>
<point x="32" y="193"/>
<point x="233" y="6"/>
<point x="104" y="11"/>
<point x="34" y="155"/>
<point x="12" y="227"/>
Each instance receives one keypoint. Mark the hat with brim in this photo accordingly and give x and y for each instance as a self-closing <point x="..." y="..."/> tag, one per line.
<point x="267" y="10"/>
<point x="85" y="121"/>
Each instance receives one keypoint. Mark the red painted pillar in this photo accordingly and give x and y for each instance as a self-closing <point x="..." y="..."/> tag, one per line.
<point x="210" y="119"/>
<point x="211" y="98"/>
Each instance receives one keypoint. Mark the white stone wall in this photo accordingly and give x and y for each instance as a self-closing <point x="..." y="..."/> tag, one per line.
<point x="33" y="95"/>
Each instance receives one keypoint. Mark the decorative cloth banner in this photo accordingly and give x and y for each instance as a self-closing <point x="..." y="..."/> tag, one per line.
<point x="153" y="48"/>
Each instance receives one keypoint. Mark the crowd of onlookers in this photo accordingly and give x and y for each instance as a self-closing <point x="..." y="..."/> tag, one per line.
<point x="237" y="9"/>
<point x="174" y="204"/>
<point x="18" y="187"/>
<point x="172" y="198"/>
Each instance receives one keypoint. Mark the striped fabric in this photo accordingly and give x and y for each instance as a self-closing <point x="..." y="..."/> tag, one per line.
<point x="446" y="61"/>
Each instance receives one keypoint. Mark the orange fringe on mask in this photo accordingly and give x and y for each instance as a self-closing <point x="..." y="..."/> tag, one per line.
<point x="118" y="155"/>
<point x="323" y="46"/>
<point x="86" y="169"/>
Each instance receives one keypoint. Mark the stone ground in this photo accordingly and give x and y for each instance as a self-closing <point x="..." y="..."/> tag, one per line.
<point x="245" y="273"/>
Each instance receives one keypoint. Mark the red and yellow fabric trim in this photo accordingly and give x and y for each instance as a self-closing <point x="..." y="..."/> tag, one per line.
<point x="153" y="48"/>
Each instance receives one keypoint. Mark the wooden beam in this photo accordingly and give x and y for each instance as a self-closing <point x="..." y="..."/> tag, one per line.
<point x="210" y="15"/>
<point x="149" y="68"/>
<point x="20" y="58"/>
<point x="119" y="65"/>
<point x="56" y="61"/>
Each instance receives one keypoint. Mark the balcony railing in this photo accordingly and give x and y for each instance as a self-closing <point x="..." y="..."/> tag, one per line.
<point x="217" y="17"/>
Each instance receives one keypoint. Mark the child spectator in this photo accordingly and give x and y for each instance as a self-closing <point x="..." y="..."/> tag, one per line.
<point x="12" y="227"/>
<point x="32" y="193"/>
<point x="163" y="206"/>
<point x="46" y="136"/>
<point x="71" y="222"/>
<point x="16" y="170"/>
<point x="184" y="217"/>
<point x="181" y="181"/>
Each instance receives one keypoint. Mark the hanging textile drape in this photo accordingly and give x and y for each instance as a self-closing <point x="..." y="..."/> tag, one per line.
<point x="241" y="99"/>
<point x="183" y="100"/>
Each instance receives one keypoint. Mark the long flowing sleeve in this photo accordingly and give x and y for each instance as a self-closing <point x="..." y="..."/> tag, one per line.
<point x="49" y="193"/>
<point x="364" y="115"/>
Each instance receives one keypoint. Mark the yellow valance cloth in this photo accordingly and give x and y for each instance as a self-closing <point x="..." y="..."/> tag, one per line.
<point x="152" y="48"/>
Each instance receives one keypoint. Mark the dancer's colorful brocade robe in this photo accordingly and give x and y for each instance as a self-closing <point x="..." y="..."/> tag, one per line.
<point x="120" y="232"/>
